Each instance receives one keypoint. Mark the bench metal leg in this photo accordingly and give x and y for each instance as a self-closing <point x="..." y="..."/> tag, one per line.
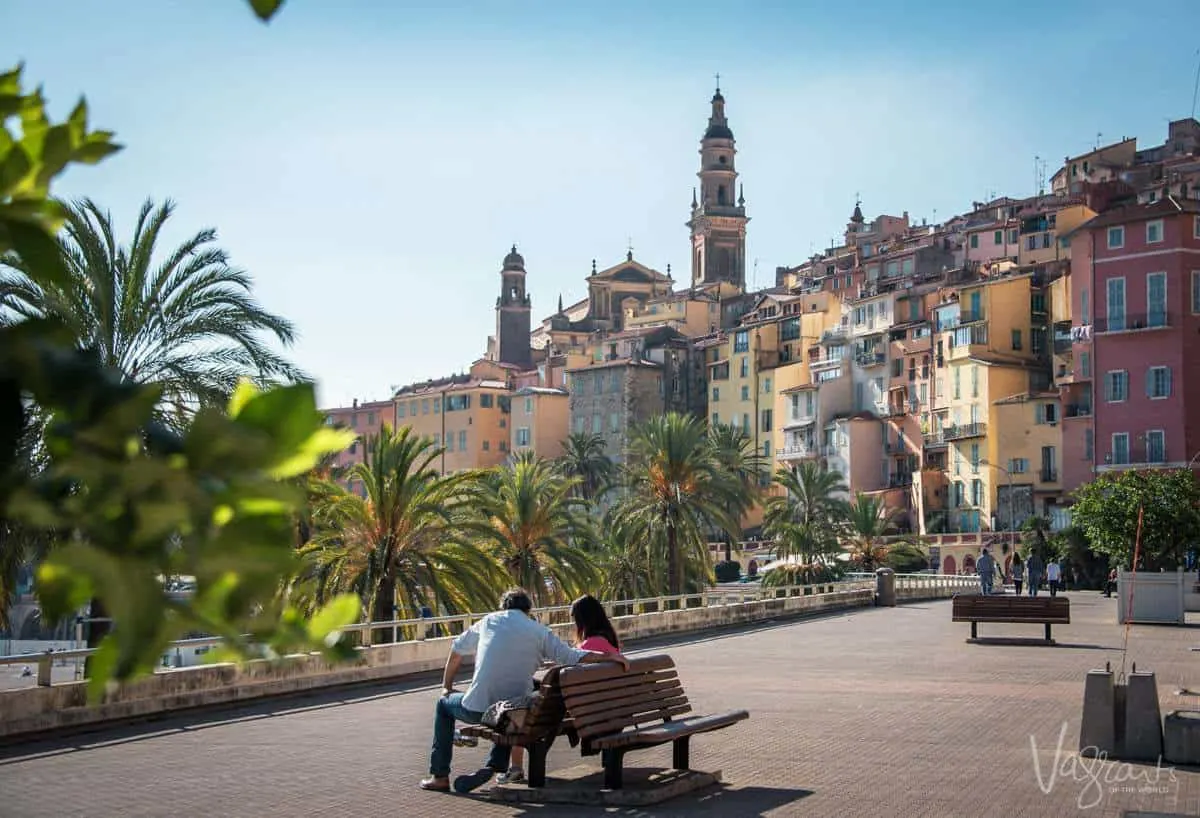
<point x="537" y="763"/>
<point x="1048" y="639"/>
<point x="679" y="753"/>
<point x="974" y="632"/>
<point x="613" y="761"/>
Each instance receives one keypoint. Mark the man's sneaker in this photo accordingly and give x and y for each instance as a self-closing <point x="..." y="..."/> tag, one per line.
<point x="464" y="741"/>
<point x="473" y="781"/>
<point x="515" y="775"/>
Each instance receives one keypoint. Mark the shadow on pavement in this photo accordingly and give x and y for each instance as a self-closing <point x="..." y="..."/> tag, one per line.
<point x="721" y="801"/>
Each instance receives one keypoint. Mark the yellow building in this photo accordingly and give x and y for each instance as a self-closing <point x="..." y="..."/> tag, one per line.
<point x="539" y="421"/>
<point x="693" y="312"/>
<point x="467" y="415"/>
<point x="1040" y="232"/>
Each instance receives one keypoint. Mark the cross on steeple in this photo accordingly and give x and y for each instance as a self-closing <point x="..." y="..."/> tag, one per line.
<point x="857" y="199"/>
<point x="718" y="82"/>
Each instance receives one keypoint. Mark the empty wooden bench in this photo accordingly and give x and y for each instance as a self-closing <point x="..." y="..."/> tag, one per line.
<point x="615" y="712"/>
<point x="1042" y="610"/>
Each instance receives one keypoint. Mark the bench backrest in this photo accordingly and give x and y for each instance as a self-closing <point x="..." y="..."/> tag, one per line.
<point x="1057" y="608"/>
<point x="548" y="710"/>
<point x="602" y="699"/>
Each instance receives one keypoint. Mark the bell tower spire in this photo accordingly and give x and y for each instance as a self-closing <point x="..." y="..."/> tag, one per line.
<point x="513" y="311"/>
<point x="718" y="222"/>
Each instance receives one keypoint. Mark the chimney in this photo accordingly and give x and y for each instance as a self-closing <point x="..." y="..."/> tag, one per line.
<point x="355" y="404"/>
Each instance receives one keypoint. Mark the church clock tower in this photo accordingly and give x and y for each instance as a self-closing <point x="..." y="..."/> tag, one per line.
<point x="718" y="222"/>
<point x="513" y="314"/>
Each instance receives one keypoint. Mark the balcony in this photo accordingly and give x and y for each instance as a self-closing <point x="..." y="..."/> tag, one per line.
<point x="865" y="359"/>
<point x="965" y="431"/>
<point x="825" y="363"/>
<point x="797" y="451"/>
<point x="1133" y="322"/>
<point x="896" y="447"/>
<point x="897" y="481"/>
<point x="971" y="316"/>
<point x="835" y="334"/>
<point x="1048" y="475"/>
<point x="1077" y="410"/>
<point x="934" y="439"/>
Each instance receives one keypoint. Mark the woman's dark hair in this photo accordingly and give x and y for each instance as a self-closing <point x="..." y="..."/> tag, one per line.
<point x="591" y="620"/>
<point x="516" y="599"/>
<point x="1017" y="558"/>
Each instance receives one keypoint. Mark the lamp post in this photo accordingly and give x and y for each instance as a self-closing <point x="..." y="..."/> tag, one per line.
<point x="1012" y="509"/>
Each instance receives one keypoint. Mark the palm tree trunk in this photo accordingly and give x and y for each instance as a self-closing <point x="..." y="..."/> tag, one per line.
<point x="672" y="563"/>
<point x="383" y="609"/>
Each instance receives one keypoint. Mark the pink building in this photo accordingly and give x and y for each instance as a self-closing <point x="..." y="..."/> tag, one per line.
<point x="364" y="419"/>
<point x="1144" y="291"/>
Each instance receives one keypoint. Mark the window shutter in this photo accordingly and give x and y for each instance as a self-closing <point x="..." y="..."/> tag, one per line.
<point x="1167" y="380"/>
<point x="1150" y="382"/>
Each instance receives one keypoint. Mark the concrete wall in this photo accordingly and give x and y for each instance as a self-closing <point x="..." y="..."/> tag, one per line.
<point x="38" y="709"/>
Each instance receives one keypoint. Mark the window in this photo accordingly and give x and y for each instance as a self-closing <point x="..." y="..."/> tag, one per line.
<point x="976" y="492"/>
<point x="1016" y="339"/>
<point x="765" y="421"/>
<point x="1085" y="364"/>
<point x="1116" y="386"/>
<point x="741" y="341"/>
<point x="1196" y="228"/>
<point x="1018" y="465"/>
<point x="504" y="445"/>
<point x="1196" y="290"/>
<point x="998" y="237"/>
<point x="974" y="241"/>
<point x="437" y="404"/>
<point x="529" y="406"/>
<point x="892" y="269"/>
<point x="614" y="421"/>
<point x="745" y="393"/>
<point x="1049" y="464"/>
<point x="1045" y="413"/>
<point x="486" y="401"/>
<point x="746" y="423"/>
<point x="614" y="380"/>
<point x="354" y="421"/>
<point x="354" y="447"/>
<point x="1084" y="306"/>
<point x="370" y="418"/>
<point x="1156" y="446"/>
<point x="401" y="410"/>
<point x="766" y="448"/>
<point x="766" y="386"/>
<point x="716" y="393"/>
<point x="523" y="436"/>
<point x="1012" y="236"/>
<point x="1154" y="231"/>
<point x="1115" y="289"/>
<point x="1120" y="448"/>
<point x="425" y="407"/>
<point x="975" y="457"/>
<point x="449" y="441"/>
<point x="1158" y="382"/>
<point x="597" y="426"/>
<point x="1116" y="238"/>
<point x="579" y="424"/>
<point x="1089" y="445"/>
<point x="1156" y="299"/>
<point x="716" y="419"/>
<point x="957" y="380"/>
<point x="1031" y="242"/>
<point x="487" y="445"/>
<point x="974" y="381"/>
<point x="745" y="367"/>
<point x="456" y="403"/>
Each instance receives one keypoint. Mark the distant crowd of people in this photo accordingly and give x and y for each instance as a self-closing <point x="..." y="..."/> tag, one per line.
<point x="1029" y="575"/>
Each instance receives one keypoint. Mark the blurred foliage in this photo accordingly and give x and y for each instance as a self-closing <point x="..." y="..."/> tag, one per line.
<point x="1107" y="512"/>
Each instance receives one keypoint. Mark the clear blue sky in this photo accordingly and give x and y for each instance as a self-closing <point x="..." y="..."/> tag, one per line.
<point x="371" y="162"/>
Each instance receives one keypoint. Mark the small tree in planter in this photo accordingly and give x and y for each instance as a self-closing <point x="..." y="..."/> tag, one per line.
<point x="727" y="571"/>
<point x="1107" y="512"/>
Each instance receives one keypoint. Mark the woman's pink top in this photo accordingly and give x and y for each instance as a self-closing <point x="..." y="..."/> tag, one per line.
<point x="598" y="644"/>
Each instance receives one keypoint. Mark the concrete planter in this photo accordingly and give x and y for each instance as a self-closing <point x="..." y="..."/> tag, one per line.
<point x="1152" y="598"/>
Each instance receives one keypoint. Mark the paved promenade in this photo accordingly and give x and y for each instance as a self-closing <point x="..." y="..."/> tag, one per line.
<point x="878" y="712"/>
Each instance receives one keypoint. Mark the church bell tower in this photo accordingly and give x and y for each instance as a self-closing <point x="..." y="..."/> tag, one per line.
<point x="718" y="222"/>
<point x="513" y="312"/>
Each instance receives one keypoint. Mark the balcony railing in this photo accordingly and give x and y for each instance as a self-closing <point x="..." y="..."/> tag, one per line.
<point x="934" y="439"/>
<point x="835" y="334"/>
<point x="864" y="359"/>
<point x="1133" y="321"/>
<point x="1049" y="475"/>
<point x="1078" y="410"/>
<point x="797" y="451"/>
<point x="896" y="481"/>
<point x="896" y="447"/>
<point x="964" y="431"/>
<point x="971" y="316"/>
<point x="821" y="363"/>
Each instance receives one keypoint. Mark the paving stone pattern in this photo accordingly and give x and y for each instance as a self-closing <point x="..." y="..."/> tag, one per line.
<point x="876" y="712"/>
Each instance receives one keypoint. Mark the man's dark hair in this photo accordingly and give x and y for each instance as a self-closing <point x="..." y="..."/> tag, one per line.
<point x="516" y="599"/>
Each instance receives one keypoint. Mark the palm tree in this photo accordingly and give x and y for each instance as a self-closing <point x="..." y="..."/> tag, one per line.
<point x="583" y="458"/>
<point x="399" y="547"/>
<point x="184" y="320"/>
<point x="528" y="519"/>
<point x="868" y="520"/>
<point x="736" y="455"/>
<point x="804" y="520"/>
<point x="677" y="491"/>
<point x="625" y="563"/>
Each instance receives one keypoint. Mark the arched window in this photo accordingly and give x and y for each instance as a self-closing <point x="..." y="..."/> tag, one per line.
<point x="721" y="194"/>
<point x="512" y="293"/>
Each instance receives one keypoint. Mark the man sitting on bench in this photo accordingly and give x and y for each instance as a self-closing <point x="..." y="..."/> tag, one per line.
<point x="508" y="646"/>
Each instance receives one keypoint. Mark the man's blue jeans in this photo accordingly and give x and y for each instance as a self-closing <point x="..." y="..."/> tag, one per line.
<point x="449" y="710"/>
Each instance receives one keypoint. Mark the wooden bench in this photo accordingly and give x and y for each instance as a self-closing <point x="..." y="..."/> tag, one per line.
<point x="614" y="712"/>
<point x="611" y="712"/>
<point x="1044" y="610"/>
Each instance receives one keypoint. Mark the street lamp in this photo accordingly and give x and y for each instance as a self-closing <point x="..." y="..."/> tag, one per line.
<point x="1012" y="509"/>
<point x="1192" y="462"/>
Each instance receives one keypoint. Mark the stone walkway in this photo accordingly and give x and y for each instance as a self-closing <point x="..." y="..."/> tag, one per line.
<point x="878" y="712"/>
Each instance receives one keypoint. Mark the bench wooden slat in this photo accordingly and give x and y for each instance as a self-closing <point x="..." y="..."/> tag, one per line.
<point x="631" y="706"/>
<point x="605" y="685"/>
<point x="598" y="671"/>
<point x="660" y="734"/>
<point x="617" y="725"/>
<point x="619" y="698"/>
